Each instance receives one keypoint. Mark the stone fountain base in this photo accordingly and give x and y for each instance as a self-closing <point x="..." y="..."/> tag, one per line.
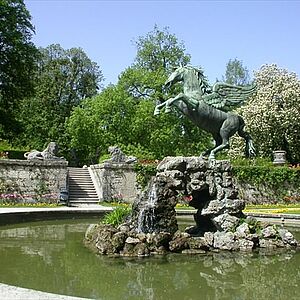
<point x="219" y="222"/>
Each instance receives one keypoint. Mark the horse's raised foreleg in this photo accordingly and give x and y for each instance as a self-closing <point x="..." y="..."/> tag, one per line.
<point x="159" y="107"/>
<point x="224" y="145"/>
<point x="171" y="101"/>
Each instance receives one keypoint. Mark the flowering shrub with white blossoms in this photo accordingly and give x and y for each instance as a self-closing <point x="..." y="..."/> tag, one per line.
<point x="272" y="116"/>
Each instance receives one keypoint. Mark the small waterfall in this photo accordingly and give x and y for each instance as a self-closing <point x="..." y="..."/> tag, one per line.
<point x="146" y="217"/>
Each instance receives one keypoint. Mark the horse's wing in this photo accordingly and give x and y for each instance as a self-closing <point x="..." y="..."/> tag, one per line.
<point x="226" y="96"/>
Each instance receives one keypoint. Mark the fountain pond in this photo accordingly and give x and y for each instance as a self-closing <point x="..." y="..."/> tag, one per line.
<point x="50" y="256"/>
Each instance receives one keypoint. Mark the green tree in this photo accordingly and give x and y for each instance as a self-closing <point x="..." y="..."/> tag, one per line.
<point x="64" y="78"/>
<point x="17" y="61"/>
<point x="272" y="116"/>
<point x="236" y="73"/>
<point x="158" y="52"/>
<point x="100" y="122"/>
<point x="123" y="114"/>
<point x="114" y="117"/>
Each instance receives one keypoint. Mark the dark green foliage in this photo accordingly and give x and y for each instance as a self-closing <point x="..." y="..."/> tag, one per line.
<point x="122" y="115"/>
<point x="255" y="226"/>
<point x="117" y="216"/>
<point x="144" y="172"/>
<point x="8" y="151"/>
<point x="101" y="122"/>
<point x="17" y="62"/>
<point x="64" y="79"/>
<point x="276" y="177"/>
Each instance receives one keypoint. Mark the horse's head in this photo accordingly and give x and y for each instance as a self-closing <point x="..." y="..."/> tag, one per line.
<point x="176" y="76"/>
<point x="192" y="77"/>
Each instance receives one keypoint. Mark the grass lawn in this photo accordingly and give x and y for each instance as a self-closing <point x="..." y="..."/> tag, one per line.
<point x="266" y="208"/>
<point x="274" y="209"/>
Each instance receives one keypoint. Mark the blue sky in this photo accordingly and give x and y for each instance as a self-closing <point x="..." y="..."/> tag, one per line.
<point x="256" y="32"/>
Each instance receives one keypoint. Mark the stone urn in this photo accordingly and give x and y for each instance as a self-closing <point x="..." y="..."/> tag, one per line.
<point x="279" y="157"/>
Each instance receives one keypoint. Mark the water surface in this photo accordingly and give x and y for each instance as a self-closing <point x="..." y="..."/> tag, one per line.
<point x="49" y="256"/>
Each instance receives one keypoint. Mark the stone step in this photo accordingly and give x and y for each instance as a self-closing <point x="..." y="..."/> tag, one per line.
<point x="82" y="195"/>
<point x="76" y="173"/>
<point x="87" y="177"/>
<point x="78" y="169"/>
<point x="84" y="182"/>
<point x="81" y="188"/>
<point x="79" y="177"/>
<point x="78" y="190"/>
<point x="84" y="201"/>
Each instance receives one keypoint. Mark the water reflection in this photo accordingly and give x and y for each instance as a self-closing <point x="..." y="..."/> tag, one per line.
<point x="49" y="256"/>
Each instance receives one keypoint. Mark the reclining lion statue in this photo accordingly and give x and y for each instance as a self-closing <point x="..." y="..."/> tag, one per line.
<point x="49" y="153"/>
<point x="118" y="156"/>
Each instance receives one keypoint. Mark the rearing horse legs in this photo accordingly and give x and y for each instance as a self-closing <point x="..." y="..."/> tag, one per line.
<point x="229" y="127"/>
<point x="224" y="145"/>
<point x="160" y="106"/>
<point x="181" y="97"/>
<point x="168" y="103"/>
<point x="218" y="141"/>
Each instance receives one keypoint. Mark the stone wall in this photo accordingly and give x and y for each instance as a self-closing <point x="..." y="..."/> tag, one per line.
<point x="114" y="181"/>
<point x="264" y="194"/>
<point x="32" y="180"/>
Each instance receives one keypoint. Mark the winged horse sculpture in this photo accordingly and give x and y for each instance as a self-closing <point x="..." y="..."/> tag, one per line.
<point x="208" y="107"/>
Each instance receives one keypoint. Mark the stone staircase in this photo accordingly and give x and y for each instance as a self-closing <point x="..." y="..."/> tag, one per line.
<point x="81" y="188"/>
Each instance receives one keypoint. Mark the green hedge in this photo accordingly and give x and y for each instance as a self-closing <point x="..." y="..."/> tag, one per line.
<point x="272" y="176"/>
<point x="144" y="172"/>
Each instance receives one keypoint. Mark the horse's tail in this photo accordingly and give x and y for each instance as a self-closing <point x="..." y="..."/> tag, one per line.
<point x="249" y="149"/>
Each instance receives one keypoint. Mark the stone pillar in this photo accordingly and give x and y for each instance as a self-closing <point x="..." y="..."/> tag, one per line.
<point x="114" y="181"/>
<point x="279" y="157"/>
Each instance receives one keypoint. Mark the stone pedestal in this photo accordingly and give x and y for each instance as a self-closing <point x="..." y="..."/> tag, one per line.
<point x="279" y="157"/>
<point x="208" y="186"/>
<point x="114" y="181"/>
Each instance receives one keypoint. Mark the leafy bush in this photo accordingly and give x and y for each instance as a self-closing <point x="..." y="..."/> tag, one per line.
<point x="272" y="115"/>
<point x="144" y="172"/>
<point x="117" y="216"/>
<point x="275" y="177"/>
<point x="8" y="151"/>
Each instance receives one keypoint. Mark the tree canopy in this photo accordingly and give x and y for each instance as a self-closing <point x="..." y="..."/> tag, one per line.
<point x="236" y="73"/>
<point x="158" y="52"/>
<point x="17" y="61"/>
<point x="63" y="79"/>
<point x="123" y="114"/>
<point x="272" y="116"/>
